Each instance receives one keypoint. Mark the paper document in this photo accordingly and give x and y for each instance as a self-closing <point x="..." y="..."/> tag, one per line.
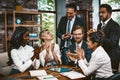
<point x="73" y="75"/>
<point x="38" y="73"/>
<point x="47" y="77"/>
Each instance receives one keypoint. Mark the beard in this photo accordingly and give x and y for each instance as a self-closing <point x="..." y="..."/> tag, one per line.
<point x="104" y="18"/>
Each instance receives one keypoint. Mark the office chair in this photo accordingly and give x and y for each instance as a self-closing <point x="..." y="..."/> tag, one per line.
<point x="114" y="77"/>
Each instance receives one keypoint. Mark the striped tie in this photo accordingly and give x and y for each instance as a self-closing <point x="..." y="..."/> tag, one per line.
<point x="68" y="30"/>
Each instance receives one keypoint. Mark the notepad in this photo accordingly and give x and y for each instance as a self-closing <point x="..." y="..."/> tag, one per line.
<point x="73" y="75"/>
<point x="38" y="73"/>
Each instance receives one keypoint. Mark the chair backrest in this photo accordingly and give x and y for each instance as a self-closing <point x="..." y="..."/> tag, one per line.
<point x="115" y="77"/>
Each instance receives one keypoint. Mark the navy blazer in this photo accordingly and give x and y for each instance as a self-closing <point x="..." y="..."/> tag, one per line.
<point x="62" y="28"/>
<point x="87" y="51"/>
<point x="111" y="40"/>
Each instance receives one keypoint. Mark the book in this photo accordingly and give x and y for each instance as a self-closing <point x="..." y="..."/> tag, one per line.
<point x="37" y="73"/>
<point x="73" y="74"/>
<point x="47" y="77"/>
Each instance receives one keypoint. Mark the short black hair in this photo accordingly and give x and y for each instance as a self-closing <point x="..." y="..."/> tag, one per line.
<point x="71" y="5"/>
<point x="107" y="6"/>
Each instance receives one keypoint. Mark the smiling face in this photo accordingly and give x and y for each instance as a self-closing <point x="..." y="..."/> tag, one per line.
<point x="104" y="14"/>
<point x="70" y="13"/>
<point x="78" y="35"/>
<point x="90" y="44"/>
<point x="26" y="38"/>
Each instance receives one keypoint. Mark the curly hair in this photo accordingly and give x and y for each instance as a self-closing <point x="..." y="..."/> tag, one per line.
<point x="16" y="41"/>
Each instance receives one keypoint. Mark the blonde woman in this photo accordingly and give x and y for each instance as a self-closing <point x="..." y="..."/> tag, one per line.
<point x="49" y="51"/>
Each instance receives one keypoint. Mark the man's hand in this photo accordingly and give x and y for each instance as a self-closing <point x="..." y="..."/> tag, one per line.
<point x="91" y="30"/>
<point x="79" y="54"/>
<point x="66" y="36"/>
<point x="69" y="54"/>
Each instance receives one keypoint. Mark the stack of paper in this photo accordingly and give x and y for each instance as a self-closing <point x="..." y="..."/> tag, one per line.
<point x="42" y="75"/>
<point x="73" y="75"/>
<point x="38" y="73"/>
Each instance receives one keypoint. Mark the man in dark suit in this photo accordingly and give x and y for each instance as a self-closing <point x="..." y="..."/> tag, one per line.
<point x="112" y="31"/>
<point x="65" y="27"/>
<point x="78" y="34"/>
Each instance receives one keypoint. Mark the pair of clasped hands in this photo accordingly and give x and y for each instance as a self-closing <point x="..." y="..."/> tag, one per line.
<point x="79" y="54"/>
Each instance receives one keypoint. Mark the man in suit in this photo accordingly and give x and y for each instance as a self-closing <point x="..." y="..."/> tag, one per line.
<point x="112" y="31"/>
<point x="65" y="27"/>
<point x="78" y="34"/>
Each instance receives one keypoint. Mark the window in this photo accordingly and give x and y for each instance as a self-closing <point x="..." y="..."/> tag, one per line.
<point x="48" y="17"/>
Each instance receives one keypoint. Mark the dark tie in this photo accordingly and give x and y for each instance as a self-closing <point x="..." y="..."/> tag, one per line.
<point x="68" y="30"/>
<point x="68" y="26"/>
<point x="103" y="26"/>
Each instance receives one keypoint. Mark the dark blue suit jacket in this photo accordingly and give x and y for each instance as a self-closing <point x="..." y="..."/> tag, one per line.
<point x="111" y="40"/>
<point x="62" y="28"/>
<point x="88" y="52"/>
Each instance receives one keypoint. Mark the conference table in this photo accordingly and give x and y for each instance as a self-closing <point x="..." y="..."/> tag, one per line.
<point x="20" y="76"/>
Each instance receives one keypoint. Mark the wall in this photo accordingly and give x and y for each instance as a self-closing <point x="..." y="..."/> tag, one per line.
<point x="60" y="8"/>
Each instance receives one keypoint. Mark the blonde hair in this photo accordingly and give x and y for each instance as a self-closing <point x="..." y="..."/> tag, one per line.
<point x="42" y="34"/>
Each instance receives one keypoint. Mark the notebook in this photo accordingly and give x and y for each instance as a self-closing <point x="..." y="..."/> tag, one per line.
<point x="37" y="73"/>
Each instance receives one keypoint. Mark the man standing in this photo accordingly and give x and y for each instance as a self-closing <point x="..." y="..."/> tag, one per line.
<point x="112" y="31"/>
<point x="65" y="27"/>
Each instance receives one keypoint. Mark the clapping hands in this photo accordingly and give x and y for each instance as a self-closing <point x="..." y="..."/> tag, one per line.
<point x="79" y="54"/>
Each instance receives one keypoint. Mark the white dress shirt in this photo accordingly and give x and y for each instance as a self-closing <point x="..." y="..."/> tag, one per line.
<point x="78" y="45"/>
<point x="100" y="64"/>
<point x="22" y="57"/>
<point x="104" y="23"/>
<point x="50" y="56"/>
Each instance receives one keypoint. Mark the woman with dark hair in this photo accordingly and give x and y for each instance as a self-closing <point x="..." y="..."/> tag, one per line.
<point x="99" y="64"/>
<point x="20" y="53"/>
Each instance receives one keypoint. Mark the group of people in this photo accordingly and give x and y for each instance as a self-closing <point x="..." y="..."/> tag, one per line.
<point x="97" y="55"/>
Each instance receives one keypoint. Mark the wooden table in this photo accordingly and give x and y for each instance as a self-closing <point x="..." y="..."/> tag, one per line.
<point x="55" y="74"/>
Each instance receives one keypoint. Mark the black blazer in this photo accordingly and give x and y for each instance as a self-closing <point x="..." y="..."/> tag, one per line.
<point x="87" y="51"/>
<point x="111" y="40"/>
<point x="62" y="28"/>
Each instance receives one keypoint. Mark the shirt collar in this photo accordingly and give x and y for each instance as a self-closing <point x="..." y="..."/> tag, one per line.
<point x="105" y="21"/>
<point x="73" y="19"/>
<point x="96" y="50"/>
<point x="80" y="44"/>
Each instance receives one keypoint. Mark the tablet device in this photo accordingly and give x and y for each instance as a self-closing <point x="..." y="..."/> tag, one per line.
<point x="59" y="69"/>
